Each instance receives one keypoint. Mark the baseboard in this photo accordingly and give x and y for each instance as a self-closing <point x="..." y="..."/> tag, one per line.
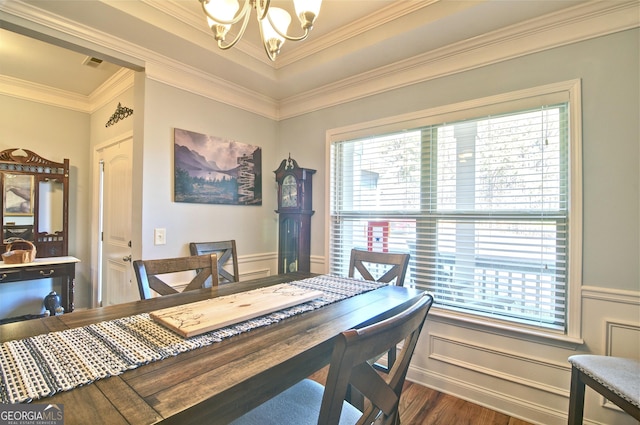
<point x="495" y="400"/>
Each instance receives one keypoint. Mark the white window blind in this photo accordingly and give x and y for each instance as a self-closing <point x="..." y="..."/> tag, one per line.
<point x="481" y="204"/>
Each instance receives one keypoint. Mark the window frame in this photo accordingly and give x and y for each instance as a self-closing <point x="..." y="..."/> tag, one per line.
<point x="568" y="91"/>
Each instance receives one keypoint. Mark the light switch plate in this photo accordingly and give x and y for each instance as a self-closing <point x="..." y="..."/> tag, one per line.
<point x="159" y="236"/>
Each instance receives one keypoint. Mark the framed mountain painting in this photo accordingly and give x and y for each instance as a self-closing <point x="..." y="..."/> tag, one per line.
<point x="215" y="170"/>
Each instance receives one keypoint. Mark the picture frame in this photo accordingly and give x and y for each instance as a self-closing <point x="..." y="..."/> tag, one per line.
<point x="215" y="170"/>
<point x="17" y="194"/>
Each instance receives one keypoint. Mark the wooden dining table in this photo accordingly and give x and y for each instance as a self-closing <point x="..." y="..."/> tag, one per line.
<point x="217" y="383"/>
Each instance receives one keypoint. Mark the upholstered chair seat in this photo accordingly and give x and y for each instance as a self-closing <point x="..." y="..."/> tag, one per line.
<point x="616" y="378"/>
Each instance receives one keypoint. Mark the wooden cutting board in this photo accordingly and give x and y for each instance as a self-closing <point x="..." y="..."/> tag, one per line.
<point x="215" y="313"/>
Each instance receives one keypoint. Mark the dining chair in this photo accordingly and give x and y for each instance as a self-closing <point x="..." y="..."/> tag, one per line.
<point x="308" y="402"/>
<point x="393" y="266"/>
<point x="148" y="272"/>
<point x="227" y="257"/>
<point x="615" y="378"/>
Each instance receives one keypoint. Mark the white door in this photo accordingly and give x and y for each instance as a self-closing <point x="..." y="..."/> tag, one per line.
<point x="117" y="280"/>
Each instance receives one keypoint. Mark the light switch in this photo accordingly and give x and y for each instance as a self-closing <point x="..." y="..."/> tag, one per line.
<point x="160" y="236"/>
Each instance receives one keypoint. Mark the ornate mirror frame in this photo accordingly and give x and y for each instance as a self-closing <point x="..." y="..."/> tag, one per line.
<point x="28" y="212"/>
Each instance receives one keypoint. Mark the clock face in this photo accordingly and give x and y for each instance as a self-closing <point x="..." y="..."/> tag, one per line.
<point x="289" y="191"/>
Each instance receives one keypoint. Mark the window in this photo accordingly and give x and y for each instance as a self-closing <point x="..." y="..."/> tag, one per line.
<point x="482" y="195"/>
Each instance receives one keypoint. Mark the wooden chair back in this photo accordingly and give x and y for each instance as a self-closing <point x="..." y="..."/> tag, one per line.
<point x="148" y="273"/>
<point x="350" y="367"/>
<point x="227" y="257"/>
<point x="394" y="266"/>
<point x="363" y="261"/>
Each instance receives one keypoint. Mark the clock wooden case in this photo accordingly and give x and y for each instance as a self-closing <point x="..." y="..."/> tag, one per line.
<point x="294" y="222"/>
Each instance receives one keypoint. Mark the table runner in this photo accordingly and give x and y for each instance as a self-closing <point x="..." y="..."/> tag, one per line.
<point x="43" y="365"/>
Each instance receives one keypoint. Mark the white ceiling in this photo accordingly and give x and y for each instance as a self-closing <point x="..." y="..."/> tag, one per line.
<point x="32" y="60"/>
<point x="350" y="39"/>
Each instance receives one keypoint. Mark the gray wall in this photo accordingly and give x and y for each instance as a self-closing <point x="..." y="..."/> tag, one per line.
<point x="522" y="375"/>
<point x="53" y="133"/>
<point x="608" y="67"/>
<point x="56" y="133"/>
<point x="253" y="227"/>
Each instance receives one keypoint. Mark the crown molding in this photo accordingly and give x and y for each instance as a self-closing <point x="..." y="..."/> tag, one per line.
<point x="120" y="82"/>
<point x="361" y="26"/>
<point x="122" y="52"/>
<point x="582" y="22"/>
<point x="65" y="33"/>
<point x="46" y="95"/>
<point x="26" y="90"/>
<point x="177" y="10"/>
<point x="191" y="80"/>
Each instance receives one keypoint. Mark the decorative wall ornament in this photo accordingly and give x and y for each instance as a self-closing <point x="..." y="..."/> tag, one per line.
<point x="214" y="170"/>
<point x="121" y="113"/>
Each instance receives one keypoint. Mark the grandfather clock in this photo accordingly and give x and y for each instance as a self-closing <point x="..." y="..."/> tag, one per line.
<point x="294" y="223"/>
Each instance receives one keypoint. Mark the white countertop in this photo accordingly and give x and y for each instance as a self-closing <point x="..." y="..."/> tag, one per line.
<point x="42" y="262"/>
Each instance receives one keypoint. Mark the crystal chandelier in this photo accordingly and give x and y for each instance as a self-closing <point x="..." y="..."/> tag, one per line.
<point x="273" y="21"/>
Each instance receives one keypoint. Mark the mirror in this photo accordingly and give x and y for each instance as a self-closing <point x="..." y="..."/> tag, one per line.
<point x="50" y="206"/>
<point x="35" y="198"/>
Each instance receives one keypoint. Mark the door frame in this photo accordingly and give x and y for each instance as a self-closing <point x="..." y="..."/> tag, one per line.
<point x="96" y="217"/>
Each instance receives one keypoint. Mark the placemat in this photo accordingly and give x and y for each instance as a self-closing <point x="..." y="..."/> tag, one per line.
<point x="43" y="365"/>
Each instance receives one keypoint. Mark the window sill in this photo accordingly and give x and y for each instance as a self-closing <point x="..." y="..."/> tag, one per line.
<point x="510" y="330"/>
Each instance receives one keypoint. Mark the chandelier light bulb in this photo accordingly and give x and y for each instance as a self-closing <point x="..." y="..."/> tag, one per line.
<point x="307" y="11"/>
<point x="272" y="36"/>
<point x="221" y="11"/>
<point x="219" y="15"/>
<point x="281" y="21"/>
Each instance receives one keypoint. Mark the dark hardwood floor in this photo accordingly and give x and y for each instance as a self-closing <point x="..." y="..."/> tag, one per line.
<point x="423" y="406"/>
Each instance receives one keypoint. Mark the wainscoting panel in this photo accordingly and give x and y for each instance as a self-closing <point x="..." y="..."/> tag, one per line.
<point x="255" y="274"/>
<point x="524" y="377"/>
<point x="257" y="265"/>
<point x="506" y="366"/>
<point x="622" y="339"/>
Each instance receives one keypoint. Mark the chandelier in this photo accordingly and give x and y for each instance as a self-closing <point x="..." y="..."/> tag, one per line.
<point x="273" y="21"/>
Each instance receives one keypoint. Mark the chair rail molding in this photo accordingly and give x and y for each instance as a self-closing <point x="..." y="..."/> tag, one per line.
<point x="611" y="295"/>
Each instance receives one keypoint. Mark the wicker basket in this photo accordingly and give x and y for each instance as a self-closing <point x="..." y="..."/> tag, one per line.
<point x="19" y="256"/>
